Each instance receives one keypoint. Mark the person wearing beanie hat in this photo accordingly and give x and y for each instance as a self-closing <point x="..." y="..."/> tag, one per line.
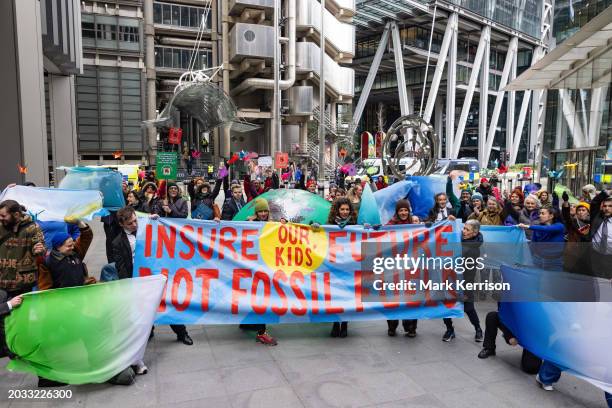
<point x="65" y="262"/>
<point x="262" y="214"/>
<point x="312" y="186"/>
<point x="203" y="205"/>
<point x="465" y="207"/>
<point x="173" y="205"/>
<point x="402" y="216"/>
<point x="148" y="200"/>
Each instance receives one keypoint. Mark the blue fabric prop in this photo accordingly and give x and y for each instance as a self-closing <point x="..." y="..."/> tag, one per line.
<point x="107" y="181"/>
<point x="368" y="209"/>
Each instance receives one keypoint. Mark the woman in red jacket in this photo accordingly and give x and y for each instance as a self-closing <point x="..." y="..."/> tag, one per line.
<point x="403" y="215"/>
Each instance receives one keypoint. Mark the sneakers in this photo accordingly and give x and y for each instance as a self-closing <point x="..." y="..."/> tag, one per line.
<point x="140" y="368"/>
<point x="545" y="387"/>
<point x="265" y="338"/>
<point x="449" y="335"/>
<point x="478" y="335"/>
<point x="486" y="353"/>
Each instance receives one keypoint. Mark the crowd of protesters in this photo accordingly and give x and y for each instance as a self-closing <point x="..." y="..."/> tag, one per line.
<point x="578" y="234"/>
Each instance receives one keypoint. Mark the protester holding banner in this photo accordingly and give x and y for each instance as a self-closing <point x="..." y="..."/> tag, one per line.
<point x="174" y="205"/>
<point x="443" y="209"/>
<point x="341" y="214"/>
<point x="513" y="207"/>
<point x="262" y="214"/>
<point x="551" y="235"/>
<point x="471" y="241"/>
<point x="402" y="216"/>
<point x="6" y="305"/>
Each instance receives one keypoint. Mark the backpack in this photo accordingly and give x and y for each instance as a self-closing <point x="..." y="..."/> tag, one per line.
<point x="202" y="212"/>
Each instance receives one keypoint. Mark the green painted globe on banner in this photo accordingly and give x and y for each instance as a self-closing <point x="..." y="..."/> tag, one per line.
<point x="298" y="206"/>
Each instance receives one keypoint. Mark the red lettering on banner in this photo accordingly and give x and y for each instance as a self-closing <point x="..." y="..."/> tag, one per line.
<point x="421" y="243"/>
<point x="142" y="271"/>
<point x="280" y="276"/>
<point x="333" y="245"/>
<point x="450" y="275"/>
<point x="355" y="249"/>
<point x="246" y="244"/>
<point x="314" y="293"/>
<point x="187" y="255"/>
<point x="358" y="302"/>
<point x="237" y="291"/>
<point x="260" y="277"/>
<point x="227" y="243"/>
<point x="329" y="309"/>
<point x="162" y="303"/>
<point x="181" y="274"/>
<point x="148" y="240"/>
<point x="298" y="311"/>
<point x="279" y="256"/>
<point x="308" y="257"/>
<point x="206" y="275"/>
<point x="208" y="253"/>
<point x="440" y="240"/>
<point x="163" y="240"/>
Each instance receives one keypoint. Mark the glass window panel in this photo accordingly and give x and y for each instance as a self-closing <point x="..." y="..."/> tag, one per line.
<point x="185" y="16"/>
<point x="157" y="13"/>
<point x="167" y="14"/>
<point x="194" y="16"/>
<point x="176" y="15"/>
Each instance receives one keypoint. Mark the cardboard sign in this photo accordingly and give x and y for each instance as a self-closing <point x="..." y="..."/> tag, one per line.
<point x="264" y="161"/>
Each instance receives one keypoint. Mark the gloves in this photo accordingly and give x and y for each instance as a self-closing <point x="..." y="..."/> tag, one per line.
<point x="366" y="226"/>
<point x="315" y="226"/>
<point x="565" y="196"/>
<point x="376" y="227"/>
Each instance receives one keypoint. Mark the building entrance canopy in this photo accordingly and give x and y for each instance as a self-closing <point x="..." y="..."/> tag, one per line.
<point x="583" y="61"/>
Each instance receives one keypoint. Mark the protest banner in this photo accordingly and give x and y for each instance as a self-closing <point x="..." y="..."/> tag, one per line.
<point x="251" y="272"/>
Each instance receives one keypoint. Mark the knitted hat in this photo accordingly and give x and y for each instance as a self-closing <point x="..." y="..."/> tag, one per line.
<point x="483" y="180"/>
<point x="311" y="183"/>
<point x="477" y="196"/>
<point x="261" y="204"/>
<point x="585" y="205"/>
<point x="58" y="239"/>
<point x="402" y="204"/>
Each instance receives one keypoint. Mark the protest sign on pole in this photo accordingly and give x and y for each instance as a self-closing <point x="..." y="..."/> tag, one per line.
<point x="167" y="163"/>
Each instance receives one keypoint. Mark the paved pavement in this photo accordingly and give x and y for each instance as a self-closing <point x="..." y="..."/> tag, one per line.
<point x="226" y="368"/>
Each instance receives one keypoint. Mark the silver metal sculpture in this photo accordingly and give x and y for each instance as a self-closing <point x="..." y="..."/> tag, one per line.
<point x="413" y="138"/>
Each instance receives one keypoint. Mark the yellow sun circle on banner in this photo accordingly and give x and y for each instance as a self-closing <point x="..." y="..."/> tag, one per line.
<point x="292" y="247"/>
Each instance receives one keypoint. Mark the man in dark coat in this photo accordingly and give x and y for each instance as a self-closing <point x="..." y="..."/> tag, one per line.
<point x="123" y="255"/>
<point x="600" y="234"/>
<point x="233" y="204"/>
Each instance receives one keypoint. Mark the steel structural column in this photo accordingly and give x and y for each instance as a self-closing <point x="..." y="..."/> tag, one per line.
<point x="538" y="53"/>
<point x="569" y="112"/>
<point x="151" y="75"/>
<point x="512" y="46"/>
<point x="539" y="96"/>
<point x="483" y="111"/>
<point x="561" y="129"/>
<point x="399" y="69"/>
<point x="597" y="95"/>
<point x="451" y="89"/>
<point x="367" y="87"/>
<point x="511" y="107"/>
<point x="435" y="83"/>
<point x="439" y="123"/>
<point x="322" y="97"/>
<point x="485" y="38"/>
<point x="275" y="128"/>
